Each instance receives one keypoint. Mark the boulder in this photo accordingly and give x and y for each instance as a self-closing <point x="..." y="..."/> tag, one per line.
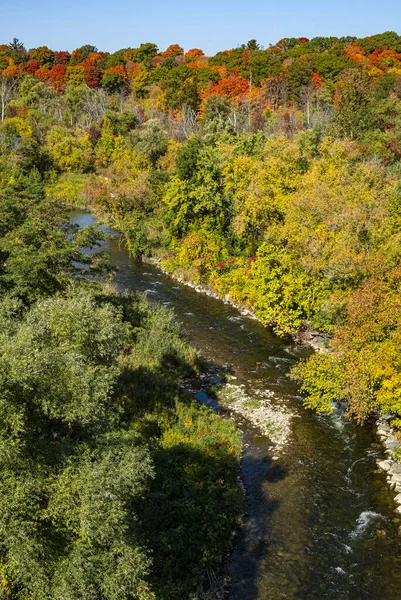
<point x="386" y="418"/>
<point x="396" y="468"/>
<point x="391" y="443"/>
<point x="397" y="480"/>
<point x="385" y="465"/>
<point x="383" y="432"/>
<point x="398" y="498"/>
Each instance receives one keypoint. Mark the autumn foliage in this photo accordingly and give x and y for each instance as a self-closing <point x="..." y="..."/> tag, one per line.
<point x="288" y="67"/>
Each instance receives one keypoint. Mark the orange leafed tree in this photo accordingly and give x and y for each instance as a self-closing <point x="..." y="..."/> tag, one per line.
<point x="56" y="77"/>
<point x="173" y="50"/>
<point x="120" y="70"/>
<point x="194" y="53"/>
<point x="94" y="57"/>
<point x="356" y="54"/>
<point x="8" y="82"/>
<point x="43" y="73"/>
<point x="12" y="70"/>
<point x="233" y="86"/>
<point x="222" y="71"/>
<point x="385" y="59"/>
<point x="133" y="69"/>
<point x="317" y="81"/>
<point x="197" y="64"/>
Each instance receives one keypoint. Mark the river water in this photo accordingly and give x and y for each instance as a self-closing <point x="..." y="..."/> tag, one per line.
<point x="320" y="519"/>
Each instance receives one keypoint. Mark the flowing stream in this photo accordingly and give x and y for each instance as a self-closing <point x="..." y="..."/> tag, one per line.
<point x="320" y="519"/>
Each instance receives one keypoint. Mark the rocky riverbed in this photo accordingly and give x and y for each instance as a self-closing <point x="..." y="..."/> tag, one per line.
<point x="261" y="409"/>
<point x="391" y="466"/>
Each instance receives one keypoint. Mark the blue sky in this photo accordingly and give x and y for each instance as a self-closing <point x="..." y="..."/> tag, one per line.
<point x="209" y="24"/>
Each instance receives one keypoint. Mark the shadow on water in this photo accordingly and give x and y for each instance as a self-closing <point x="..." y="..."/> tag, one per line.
<point x="259" y="469"/>
<point x="321" y="522"/>
<point x="255" y="540"/>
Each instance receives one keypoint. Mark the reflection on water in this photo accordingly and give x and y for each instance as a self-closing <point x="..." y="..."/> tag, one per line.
<point x="320" y="521"/>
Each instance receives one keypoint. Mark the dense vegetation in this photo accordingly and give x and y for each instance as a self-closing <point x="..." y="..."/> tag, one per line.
<point x="272" y="176"/>
<point x="114" y="483"/>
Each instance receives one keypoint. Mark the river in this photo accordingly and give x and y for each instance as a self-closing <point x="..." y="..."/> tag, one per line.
<point x="320" y="517"/>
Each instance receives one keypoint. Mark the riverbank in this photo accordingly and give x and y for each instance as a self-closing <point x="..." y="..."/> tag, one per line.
<point x="316" y="340"/>
<point x="275" y="423"/>
<point x="260" y="408"/>
<point x="390" y="465"/>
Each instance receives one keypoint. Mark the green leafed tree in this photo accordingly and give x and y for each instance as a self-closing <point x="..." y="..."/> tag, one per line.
<point x="70" y="480"/>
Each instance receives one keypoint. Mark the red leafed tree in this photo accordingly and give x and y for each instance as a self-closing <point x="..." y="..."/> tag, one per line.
<point x="77" y="57"/>
<point x="62" y="58"/>
<point x="93" y="74"/>
<point x="32" y="66"/>
<point x="246" y="56"/>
